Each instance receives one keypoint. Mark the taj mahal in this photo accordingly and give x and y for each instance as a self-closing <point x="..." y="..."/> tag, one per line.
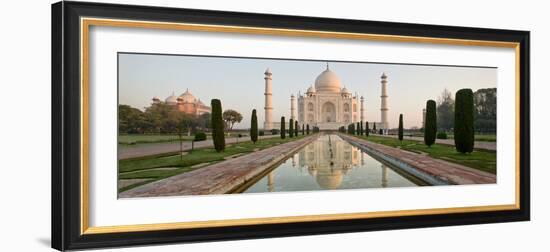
<point x="326" y="104"/>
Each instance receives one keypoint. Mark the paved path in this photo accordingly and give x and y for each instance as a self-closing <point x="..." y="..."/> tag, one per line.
<point x="477" y="144"/>
<point x="160" y="148"/>
<point x="221" y="177"/>
<point x="439" y="169"/>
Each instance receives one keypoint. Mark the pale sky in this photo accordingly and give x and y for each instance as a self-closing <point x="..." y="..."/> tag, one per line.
<point x="239" y="83"/>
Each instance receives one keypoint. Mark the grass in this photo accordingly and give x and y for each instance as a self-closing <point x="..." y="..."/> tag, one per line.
<point x="484" y="160"/>
<point x="480" y="137"/>
<point x="150" y="138"/>
<point x="147" y="168"/>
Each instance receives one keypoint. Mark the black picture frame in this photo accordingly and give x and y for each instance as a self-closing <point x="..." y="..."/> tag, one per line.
<point x="66" y="156"/>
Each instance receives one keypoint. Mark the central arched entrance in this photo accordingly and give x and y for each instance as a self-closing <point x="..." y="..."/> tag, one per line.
<point x="328" y="112"/>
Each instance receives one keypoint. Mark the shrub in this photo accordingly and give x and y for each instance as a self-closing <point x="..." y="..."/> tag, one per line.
<point x="217" y="125"/>
<point x="254" y="127"/>
<point x="441" y="135"/>
<point x="400" y="133"/>
<point x="261" y="133"/>
<point x="464" y="121"/>
<point x="274" y="132"/>
<point x="200" y="136"/>
<point x="291" y="128"/>
<point x="431" y="123"/>
<point x="283" y="128"/>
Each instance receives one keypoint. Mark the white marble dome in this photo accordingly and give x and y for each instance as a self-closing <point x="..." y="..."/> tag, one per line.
<point x="327" y="81"/>
<point x="345" y="91"/>
<point x="172" y="99"/>
<point x="187" y="97"/>
<point x="311" y="89"/>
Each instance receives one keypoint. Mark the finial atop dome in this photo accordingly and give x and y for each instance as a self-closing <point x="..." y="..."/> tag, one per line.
<point x="384" y="75"/>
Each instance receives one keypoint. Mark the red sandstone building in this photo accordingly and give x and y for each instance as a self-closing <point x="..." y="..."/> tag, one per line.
<point x="186" y="103"/>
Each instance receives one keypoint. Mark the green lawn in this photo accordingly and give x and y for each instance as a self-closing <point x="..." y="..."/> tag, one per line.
<point x="484" y="160"/>
<point x="480" y="137"/>
<point x="150" y="138"/>
<point x="147" y="168"/>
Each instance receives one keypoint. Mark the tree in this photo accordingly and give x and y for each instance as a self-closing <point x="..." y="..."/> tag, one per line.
<point x="464" y="121"/>
<point x="203" y="121"/>
<point x="303" y="130"/>
<point x="431" y="123"/>
<point x="485" y="108"/>
<point x="357" y="131"/>
<point x="218" y="134"/>
<point x="361" y="132"/>
<point x="254" y="127"/>
<point x="296" y="128"/>
<point x="283" y="128"/>
<point x="445" y="111"/>
<point x="291" y="128"/>
<point x="231" y="117"/>
<point x="367" y="129"/>
<point x="131" y="120"/>
<point x="400" y="133"/>
<point x="374" y="127"/>
<point x="307" y="129"/>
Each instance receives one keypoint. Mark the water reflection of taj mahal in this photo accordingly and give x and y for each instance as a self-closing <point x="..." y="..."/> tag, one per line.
<point x="329" y="162"/>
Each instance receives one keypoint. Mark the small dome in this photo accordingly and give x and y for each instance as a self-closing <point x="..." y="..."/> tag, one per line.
<point x="345" y="91"/>
<point x="311" y="89"/>
<point x="187" y="97"/>
<point x="172" y="99"/>
<point x="156" y="98"/>
<point x="327" y="81"/>
<point x="384" y="76"/>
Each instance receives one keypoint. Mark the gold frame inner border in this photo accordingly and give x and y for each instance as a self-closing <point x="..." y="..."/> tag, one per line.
<point x="86" y="23"/>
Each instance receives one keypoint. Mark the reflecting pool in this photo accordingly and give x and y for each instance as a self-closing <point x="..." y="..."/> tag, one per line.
<point x="330" y="163"/>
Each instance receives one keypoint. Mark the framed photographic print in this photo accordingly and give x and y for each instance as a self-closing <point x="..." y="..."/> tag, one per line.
<point x="179" y="125"/>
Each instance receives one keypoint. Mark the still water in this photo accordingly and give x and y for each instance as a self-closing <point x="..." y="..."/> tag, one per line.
<point x="330" y="163"/>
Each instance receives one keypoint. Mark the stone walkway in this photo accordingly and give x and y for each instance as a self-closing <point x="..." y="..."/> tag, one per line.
<point x="221" y="177"/>
<point x="161" y="148"/>
<point x="442" y="170"/>
<point x="477" y="144"/>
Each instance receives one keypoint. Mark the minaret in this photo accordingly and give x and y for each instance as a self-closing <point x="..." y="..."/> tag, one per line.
<point x="268" y="123"/>
<point x="293" y="107"/>
<point x="362" y="109"/>
<point x="384" y="103"/>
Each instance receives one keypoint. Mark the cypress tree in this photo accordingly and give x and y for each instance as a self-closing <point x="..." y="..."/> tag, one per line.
<point x="464" y="121"/>
<point x="307" y="129"/>
<point x="400" y="133"/>
<point x="283" y="128"/>
<point x="374" y="127"/>
<point x="296" y="128"/>
<point x="361" y="130"/>
<point x="303" y="130"/>
<point x="430" y="129"/>
<point x="357" y="129"/>
<point x="254" y="127"/>
<point x="367" y="129"/>
<point x="291" y="128"/>
<point x="218" y="136"/>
